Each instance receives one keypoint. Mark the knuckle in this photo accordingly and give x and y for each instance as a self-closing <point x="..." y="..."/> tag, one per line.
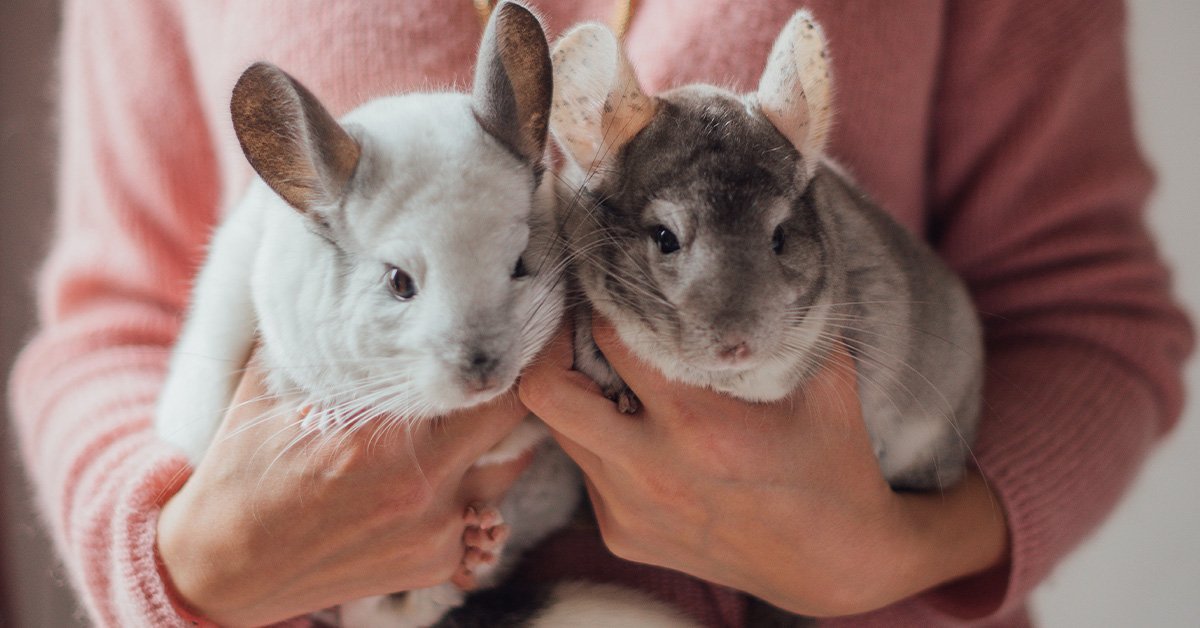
<point x="536" y="392"/>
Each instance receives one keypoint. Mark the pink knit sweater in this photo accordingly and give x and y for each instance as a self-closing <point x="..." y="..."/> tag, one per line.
<point x="998" y="130"/>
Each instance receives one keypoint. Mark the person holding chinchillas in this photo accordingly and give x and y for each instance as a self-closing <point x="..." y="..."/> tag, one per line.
<point x="972" y="124"/>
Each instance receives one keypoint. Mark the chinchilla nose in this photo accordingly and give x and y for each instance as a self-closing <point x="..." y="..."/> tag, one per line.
<point x="739" y="350"/>
<point x="479" y="371"/>
<point x="734" y="350"/>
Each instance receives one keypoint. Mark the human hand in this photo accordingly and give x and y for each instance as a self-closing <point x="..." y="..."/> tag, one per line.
<point x="272" y="525"/>
<point x="782" y="500"/>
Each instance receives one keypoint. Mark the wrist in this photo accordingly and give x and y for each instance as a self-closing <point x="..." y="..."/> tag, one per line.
<point x="186" y="570"/>
<point x="953" y="534"/>
<point x="175" y="565"/>
<point x="171" y="565"/>
<point x="927" y="540"/>
<point x="182" y="608"/>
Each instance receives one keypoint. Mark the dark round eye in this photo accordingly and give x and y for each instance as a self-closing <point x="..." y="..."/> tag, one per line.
<point x="401" y="285"/>
<point x="519" y="270"/>
<point x="667" y="242"/>
<point x="777" y="240"/>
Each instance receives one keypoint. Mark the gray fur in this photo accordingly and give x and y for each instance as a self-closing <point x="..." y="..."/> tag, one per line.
<point x="846" y="269"/>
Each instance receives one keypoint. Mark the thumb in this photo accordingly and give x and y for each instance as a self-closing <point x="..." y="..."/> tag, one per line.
<point x="571" y="403"/>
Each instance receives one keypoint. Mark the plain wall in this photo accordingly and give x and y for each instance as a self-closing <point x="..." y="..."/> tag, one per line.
<point x="1141" y="569"/>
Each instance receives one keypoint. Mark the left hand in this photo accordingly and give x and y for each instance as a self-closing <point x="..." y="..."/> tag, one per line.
<point x="783" y="500"/>
<point x="277" y="521"/>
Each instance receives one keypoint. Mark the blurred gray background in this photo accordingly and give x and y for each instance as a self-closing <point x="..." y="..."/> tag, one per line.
<point x="1141" y="569"/>
<point x="32" y="590"/>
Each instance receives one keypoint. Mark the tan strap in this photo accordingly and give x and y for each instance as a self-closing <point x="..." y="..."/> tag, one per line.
<point x="622" y="14"/>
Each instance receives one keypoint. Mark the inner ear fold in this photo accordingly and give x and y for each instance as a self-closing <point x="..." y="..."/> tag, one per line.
<point x="598" y="105"/>
<point x="513" y="86"/>
<point x="289" y="138"/>
<point x="796" y="88"/>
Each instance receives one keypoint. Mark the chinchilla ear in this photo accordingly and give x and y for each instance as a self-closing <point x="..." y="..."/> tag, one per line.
<point x="511" y="97"/>
<point x="598" y="105"/>
<point x="291" y="140"/>
<point x="795" y="91"/>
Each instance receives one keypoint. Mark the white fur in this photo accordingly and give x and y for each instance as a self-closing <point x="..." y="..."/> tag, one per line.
<point x="215" y="342"/>
<point x="590" y="605"/>
<point x="416" y="609"/>
<point x="438" y="215"/>
<point x="323" y="330"/>
<point x="437" y="197"/>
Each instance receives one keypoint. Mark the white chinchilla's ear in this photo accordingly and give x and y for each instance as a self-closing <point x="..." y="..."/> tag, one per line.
<point x="598" y="106"/>
<point x="795" y="91"/>
<point x="513" y="82"/>
<point x="291" y="140"/>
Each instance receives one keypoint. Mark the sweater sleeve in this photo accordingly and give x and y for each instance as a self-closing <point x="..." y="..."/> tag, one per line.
<point x="138" y="193"/>
<point x="1038" y="190"/>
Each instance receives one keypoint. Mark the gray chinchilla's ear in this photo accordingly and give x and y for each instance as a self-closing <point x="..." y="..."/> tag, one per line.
<point x="291" y="140"/>
<point x="513" y="82"/>
<point x="795" y="91"/>
<point x="598" y="105"/>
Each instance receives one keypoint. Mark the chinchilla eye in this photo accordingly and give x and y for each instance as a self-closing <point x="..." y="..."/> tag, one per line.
<point x="401" y="284"/>
<point x="777" y="240"/>
<point x="667" y="242"/>
<point x="519" y="271"/>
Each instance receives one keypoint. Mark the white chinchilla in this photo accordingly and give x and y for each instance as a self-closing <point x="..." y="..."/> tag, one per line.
<point x="400" y="263"/>
<point x="728" y="251"/>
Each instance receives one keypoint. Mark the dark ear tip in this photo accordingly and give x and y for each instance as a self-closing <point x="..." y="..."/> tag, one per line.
<point x="258" y="72"/>
<point x="253" y="84"/>
<point x="259" y="68"/>
<point x="515" y="18"/>
<point x="509" y="10"/>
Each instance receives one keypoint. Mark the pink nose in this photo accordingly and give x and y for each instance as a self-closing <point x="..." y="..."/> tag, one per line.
<point x="481" y="384"/>
<point x="733" y="353"/>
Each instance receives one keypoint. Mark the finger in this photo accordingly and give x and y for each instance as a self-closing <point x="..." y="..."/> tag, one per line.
<point x="588" y="461"/>
<point x="571" y="403"/>
<point x="464" y="578"/>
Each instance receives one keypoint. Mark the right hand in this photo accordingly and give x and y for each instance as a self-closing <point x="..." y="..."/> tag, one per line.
<point x="273" y="524"/>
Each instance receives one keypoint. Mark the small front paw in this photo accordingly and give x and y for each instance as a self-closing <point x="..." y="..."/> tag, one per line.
<point x="316" y="418"/>
<point x="484" y="538"/>
<point x="627" y="402"/>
